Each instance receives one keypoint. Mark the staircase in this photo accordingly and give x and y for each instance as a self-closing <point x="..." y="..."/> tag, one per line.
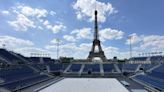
<point x="24" y="60"/>
<point x="117" y="69"/>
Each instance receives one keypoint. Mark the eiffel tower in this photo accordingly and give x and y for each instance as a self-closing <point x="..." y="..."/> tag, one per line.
<point x="96" y="42"/>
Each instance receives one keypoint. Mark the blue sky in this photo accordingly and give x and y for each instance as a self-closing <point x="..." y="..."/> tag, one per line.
<point x="29" y="26"/>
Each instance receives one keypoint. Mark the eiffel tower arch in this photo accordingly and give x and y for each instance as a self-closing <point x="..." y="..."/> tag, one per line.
<point x="96" y="42"/>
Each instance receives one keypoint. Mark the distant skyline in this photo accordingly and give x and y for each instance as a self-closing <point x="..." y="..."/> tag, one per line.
<point x="32" y="26"/>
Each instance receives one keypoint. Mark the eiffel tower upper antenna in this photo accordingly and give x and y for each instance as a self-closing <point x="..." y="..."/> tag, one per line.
<point x="96" y="22"/>
<point x="95" y="5"/>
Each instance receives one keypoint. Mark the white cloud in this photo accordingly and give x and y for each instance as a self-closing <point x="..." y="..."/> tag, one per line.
<point x="48" y="47"/>
<point x="22" y="23"/>
<point x="40" y="28"/>
<point x="54" y="28"/>
<point x="85" y="8"/>
<point x="55" y="41"/>
<point x="85" y="46"/>
<point x="22" y="46"/>
<point x="13" y="42"/>
<point x="134" y="38"/>
<point x="30" y="17"/>
<point x="110" y="51"/>
<point x="72" y="49"/>
<point x="5" y="12"/>
<point x="84" y="33"/>
<point x="46" y="23"/>
<point x="153" y="41"/>
<point x="57" y="28"/>
<point x="26" y="17"/>
<point x="69" y="38"/>
<point x="29" y="11"/>
<point x="110" y="34"/>
<point x="147" y="43"/>
<point x="52" y="13"/>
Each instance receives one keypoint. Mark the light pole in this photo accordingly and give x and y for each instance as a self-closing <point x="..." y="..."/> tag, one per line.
<point x="130" y="39"/>
<point x="57" y="49"/>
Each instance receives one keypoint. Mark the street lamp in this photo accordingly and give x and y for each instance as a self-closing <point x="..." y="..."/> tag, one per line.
<point x="130" y="39"/>
<point x="57" y="49"/>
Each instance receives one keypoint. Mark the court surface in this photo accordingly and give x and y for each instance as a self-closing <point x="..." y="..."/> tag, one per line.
<point x="86" y="85"/>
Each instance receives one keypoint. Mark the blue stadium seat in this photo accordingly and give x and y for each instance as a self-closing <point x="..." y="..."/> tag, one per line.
<point x="158" y="72"/>
<point x="55" y="67"/>
<point x="108" y="67"/>
<point x="16" y="73"/>
<point x="35" y="59"/>
<point x="9" y="57"/>
<point x="120" y="66"/>
<point x="92" y="67"/>
<point x="23" y="82"/>
<point x="150" y="81"/>
<point x="48" y="60"/>
<point x="130" y="67"/>
<point x="147" y="66"/>
<point x="64" y="66"/>
<point x="75" y="67"/>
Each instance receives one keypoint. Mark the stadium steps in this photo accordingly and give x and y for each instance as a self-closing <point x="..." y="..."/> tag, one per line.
<point x="30" y="65"/>
<point x="27" y="62"/>
<point x="117" y="69"/>
<point x="51" y="83"/>
<point x="148" y="58"/>
<point x="32" y="76"/>
<point x="48" y="74"/>
<point x="39" y="85"/>
<point x="138" y="68"/>
<point x="101" y="70"/>
<point x="148" y="87"/>
<point x="1" y="80"/>
<point x="153" y="68"/>
<point x="5" y="60"/>
<point x="157" y="84"/>
<point x="68" y="67"/>
<point x="34" y="83"/>
<point x="81" y="70"/>
<point x="41" y="60"/>
<point x="24" y="83"/>
<point x="130" y="67"/>
<point x="140" y="73"/>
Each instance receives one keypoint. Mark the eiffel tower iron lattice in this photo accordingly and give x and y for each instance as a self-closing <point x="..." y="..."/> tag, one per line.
<point x="96" y="42"/>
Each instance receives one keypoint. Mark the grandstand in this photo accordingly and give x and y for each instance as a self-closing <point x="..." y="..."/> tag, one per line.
<point x="37" y="73"/>
<point x="31" y="74"/>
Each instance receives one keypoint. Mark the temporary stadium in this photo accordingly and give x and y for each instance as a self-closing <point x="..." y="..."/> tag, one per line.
<point x="43" y="73"/>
